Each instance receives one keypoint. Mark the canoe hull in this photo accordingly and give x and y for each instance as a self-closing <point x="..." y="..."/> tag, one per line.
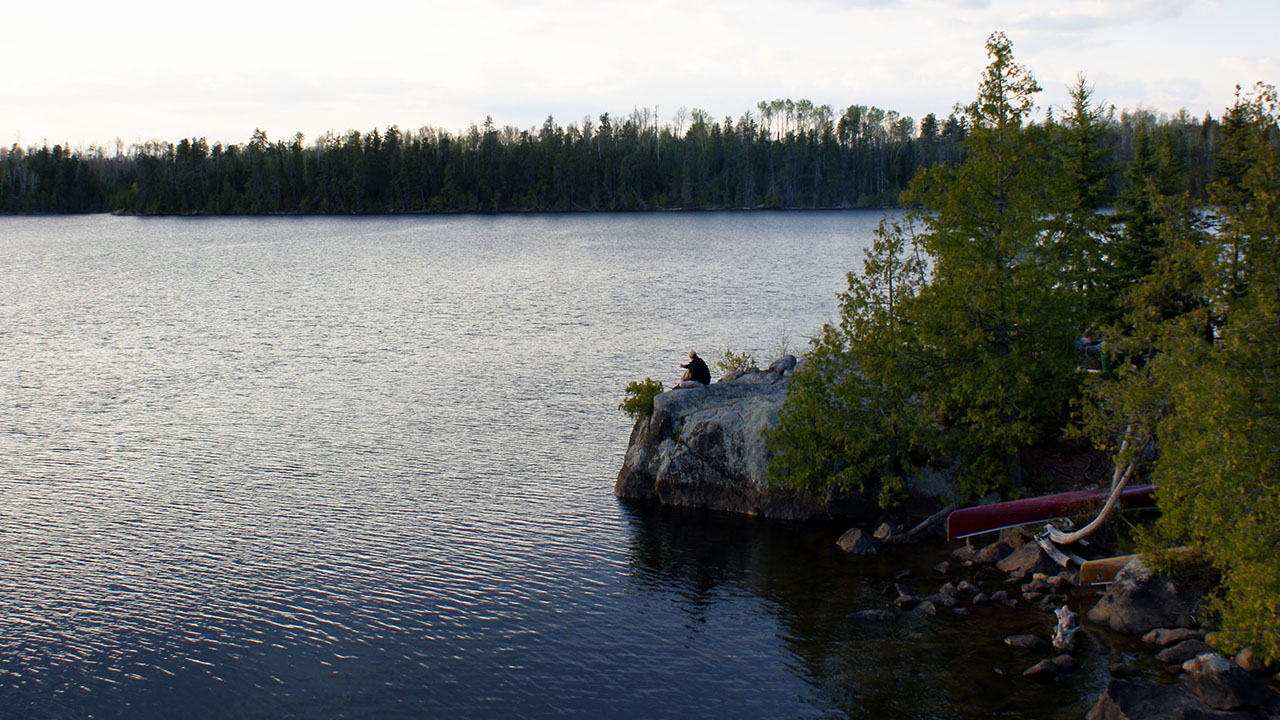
<point x="1103" y="571"/>
<point x="998" y="516"/>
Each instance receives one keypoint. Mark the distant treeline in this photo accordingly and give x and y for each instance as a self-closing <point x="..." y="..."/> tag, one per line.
<point x="784" y="154"/>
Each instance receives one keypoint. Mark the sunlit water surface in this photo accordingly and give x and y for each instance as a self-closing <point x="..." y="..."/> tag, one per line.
<point x="337" y="467"/>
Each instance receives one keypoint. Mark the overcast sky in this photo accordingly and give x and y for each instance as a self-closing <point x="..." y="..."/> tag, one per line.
<point x="140" y="70"/>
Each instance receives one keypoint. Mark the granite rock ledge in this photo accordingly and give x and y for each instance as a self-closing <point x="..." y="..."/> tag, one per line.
<point x="702" y="447"/>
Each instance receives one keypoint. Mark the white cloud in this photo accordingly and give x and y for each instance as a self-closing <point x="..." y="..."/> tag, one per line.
<point x="1253" y="69"/>
<point x="1073" y="18"/>
<point x="142" y="69"/>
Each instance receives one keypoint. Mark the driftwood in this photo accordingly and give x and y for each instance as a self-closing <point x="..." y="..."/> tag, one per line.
<point x="1118" y="481"/>
<point x="930" y="521"/>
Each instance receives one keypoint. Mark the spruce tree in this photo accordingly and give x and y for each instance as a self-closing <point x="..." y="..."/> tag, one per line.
<point x="1220" y="441"/>
<point x="995" y="324"/>
<point x="852" y="421"/>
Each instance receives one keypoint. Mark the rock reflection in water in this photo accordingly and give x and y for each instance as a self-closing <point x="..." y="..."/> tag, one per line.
<point x="916" y="666"/>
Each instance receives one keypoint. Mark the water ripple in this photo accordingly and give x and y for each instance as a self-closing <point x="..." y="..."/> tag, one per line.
<point x="362" y="468"/>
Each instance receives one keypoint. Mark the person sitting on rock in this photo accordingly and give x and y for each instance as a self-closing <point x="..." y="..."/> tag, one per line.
<point x="696" y="372"/>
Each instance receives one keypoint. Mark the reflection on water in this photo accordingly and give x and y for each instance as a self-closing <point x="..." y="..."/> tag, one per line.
<point x="362" y="467"/>
<point x="919" y="666"/>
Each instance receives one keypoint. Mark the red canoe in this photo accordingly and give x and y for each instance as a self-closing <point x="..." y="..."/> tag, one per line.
<point x="998" y="516"/>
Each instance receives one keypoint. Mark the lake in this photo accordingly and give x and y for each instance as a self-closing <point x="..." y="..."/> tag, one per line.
<point x="363" y="467"/>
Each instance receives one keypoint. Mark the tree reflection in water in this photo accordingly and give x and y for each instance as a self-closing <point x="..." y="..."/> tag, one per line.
<point x="919" y="666"/>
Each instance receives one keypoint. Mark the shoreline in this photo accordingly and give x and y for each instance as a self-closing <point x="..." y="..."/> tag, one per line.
<point x="701" y="447"/>
<point x="466" y="213"/>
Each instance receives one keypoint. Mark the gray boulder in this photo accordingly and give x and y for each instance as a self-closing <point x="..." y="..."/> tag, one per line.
<point x="965" y="553"/>
<point x="1140" y="600"/>
<point x="1221" y="684"/>
<point x="1016" y="537"/>
<point x="906" y="601"/>
<point x="938" y="599"/>
<point x="702" y="447"/>
<point x="1129" y="700"/>
<point x="785" y="365"/>
<point x="1164" y="637"/>
<point x="857" y="542"/>
<point x="1249" y="660"/>
<point x="993" y="553"/>
<point x="1183" y="651"/>
<point x="1027" y="560"/>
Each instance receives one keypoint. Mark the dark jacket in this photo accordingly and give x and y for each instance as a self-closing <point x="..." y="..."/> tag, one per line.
<point x="698" y="370"/>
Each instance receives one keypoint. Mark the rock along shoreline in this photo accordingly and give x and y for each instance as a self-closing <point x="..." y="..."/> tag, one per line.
<point x="702" y="448"/>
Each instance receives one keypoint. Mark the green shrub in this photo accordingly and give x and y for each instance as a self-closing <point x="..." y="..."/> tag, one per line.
<point x="728" y="361"/>
<point x="638" y="402"/>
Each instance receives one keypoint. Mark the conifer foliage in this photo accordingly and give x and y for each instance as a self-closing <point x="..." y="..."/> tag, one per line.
<point x="1210" y="391"/>
<point x="955" y="341"/>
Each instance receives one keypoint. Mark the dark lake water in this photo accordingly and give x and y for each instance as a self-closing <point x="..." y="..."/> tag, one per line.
<point x="363" y="467"/>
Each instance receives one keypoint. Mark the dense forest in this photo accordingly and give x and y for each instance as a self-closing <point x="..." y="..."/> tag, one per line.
<point x="1005" y="310"/>
<point x="782" y="154"/>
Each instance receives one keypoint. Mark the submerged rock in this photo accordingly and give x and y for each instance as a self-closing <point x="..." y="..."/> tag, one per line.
<point x="1046" y="670"/>
<point x="702" y="447"/>
<point x="1030" y="642"/>
<point x="1124" y="670"/>
<point x="1042" y="671"/>
<point x="874" y="615"/>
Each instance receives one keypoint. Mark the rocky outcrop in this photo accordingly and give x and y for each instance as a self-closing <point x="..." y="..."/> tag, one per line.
<point x="1128" y="700"/>
<point x="1141" y="600"/>
<point x="702" y="447"/>
<point x="1213" y="687"/>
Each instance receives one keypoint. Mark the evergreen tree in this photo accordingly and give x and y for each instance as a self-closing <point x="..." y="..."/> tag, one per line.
<point x="1082" y="147"/>
<point x="851" y="421"/>
<point x="1201" y="381"/>
<point x="1220" y="441"/>
<point x="994" y="322"/>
